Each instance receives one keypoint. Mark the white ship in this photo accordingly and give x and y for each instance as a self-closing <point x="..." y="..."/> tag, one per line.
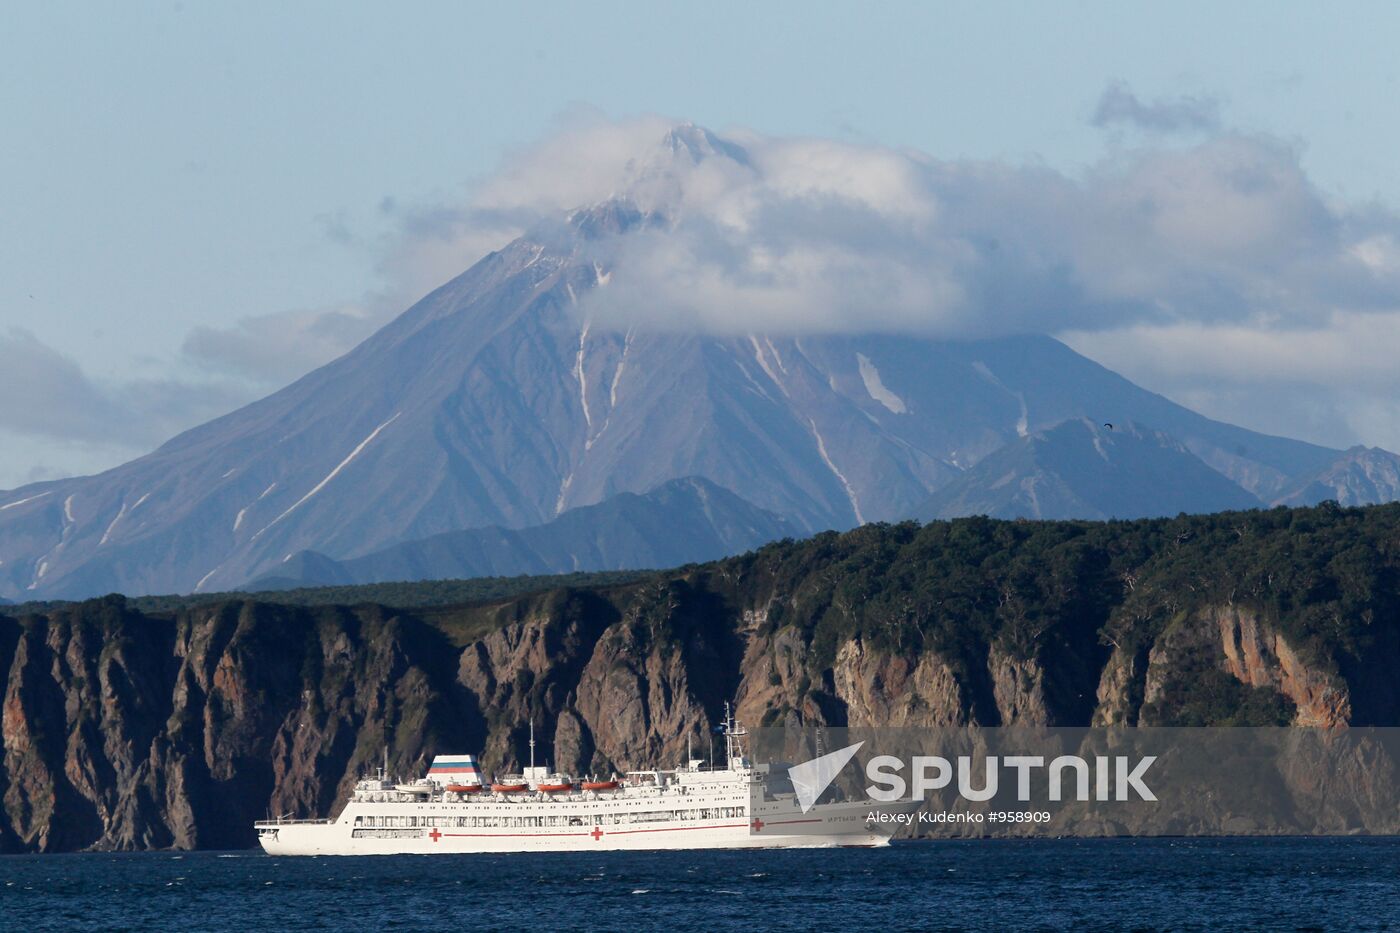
<point x="451" y="810"/>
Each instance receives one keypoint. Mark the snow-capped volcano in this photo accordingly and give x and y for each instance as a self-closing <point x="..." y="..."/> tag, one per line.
<point x="511" y="394"/>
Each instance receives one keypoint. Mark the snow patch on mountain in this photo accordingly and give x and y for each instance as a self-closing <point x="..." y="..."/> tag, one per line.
<point x="107" y="535"/>
<point x="17" y="504"/>
<point x="617" y="373"/>
<point x="877" y="388"/>
<point x="583" y="378"/>
<point x="743" y="368"/>
<point x="777" y="357"/>
<point x="1023" y="422"/>
<point x="563" y="493"/>
<point x="845" y="483"/>
<point x="758" y="354"/>
<point x="331" y="475"/>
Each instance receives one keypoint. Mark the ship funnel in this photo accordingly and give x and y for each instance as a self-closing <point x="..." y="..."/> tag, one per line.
<point x="454" y="769"/>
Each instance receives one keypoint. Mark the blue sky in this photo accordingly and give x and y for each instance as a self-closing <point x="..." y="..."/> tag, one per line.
<point x="169" y="170"/>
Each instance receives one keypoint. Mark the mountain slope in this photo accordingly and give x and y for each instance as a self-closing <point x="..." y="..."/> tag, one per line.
<point x="1360" y="476"/>
<point x="1081" y="470"/>
<point x="496" y="401"/>
<point x="681" y="522"/>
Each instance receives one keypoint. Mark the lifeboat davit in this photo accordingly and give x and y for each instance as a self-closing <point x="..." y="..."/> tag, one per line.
<point x="554" y="788"/>
<point x="601" y="785"/>
<point x="508" y="788"/>
<point x="463" y="788"/>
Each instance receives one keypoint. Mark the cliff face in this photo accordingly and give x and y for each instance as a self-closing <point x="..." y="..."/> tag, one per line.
<point x="1257" y="656"/>
<point x="126" y="732"/>
<point x="1231" y="640"/>
<point x="123" y="731"/>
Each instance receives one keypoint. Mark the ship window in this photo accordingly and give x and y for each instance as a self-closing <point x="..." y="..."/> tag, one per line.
<point x="359" y="821"/>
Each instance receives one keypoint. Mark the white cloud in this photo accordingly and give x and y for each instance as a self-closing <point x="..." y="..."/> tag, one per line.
<point x="1214" y="271"/>
<point x="1119" y="106"/>
<point x="51" y="411"/>
<point x="1333" y="382"/>
<point x="274" y="349"/>
<point x="427" y="246"/>
<point x="798" y="234"/>
<point x="1360" y="348"/>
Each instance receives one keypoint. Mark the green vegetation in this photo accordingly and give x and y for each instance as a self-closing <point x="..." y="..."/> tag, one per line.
<point x="420" y="594"/>
<point x="1197" y="693"/>
<point x="1327" y="577"/>
<point x="1066" y="595"/>
<point x="1070" y="593"/>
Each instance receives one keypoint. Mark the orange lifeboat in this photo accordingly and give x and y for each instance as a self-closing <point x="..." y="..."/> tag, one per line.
<point x="463" y="788"/>
<point x="554" y="788"/>
<point x="508" y="788"/>
<point x="601" y="785"/>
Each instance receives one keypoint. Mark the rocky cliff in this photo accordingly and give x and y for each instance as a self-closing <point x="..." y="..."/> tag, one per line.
<point x="129" y="730"/>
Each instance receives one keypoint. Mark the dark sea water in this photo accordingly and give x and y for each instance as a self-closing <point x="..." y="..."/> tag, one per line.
<point x="1289" y="884"/>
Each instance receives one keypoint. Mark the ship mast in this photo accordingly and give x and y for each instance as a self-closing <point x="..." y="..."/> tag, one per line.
<point x="728" y="737"/>
<point x="532" y="744"/>
<point x="733" y="733"/>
